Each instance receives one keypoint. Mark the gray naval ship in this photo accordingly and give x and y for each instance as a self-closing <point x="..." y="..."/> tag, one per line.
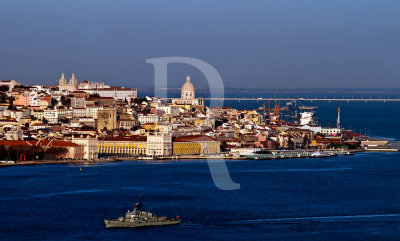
<point x="140" y="218"/>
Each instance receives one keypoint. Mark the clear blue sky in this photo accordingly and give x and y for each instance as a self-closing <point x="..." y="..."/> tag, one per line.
<point x="266" y="43"/>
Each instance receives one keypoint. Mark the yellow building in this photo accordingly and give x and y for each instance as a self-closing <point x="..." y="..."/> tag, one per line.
<point x="154" y="127"/>
<point x="38" y="114"/>
<point x="128" y="145"/>
<point x="195" y="145"/>
<point x="253" y="116"/>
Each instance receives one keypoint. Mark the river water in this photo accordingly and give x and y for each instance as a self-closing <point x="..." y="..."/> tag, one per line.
<point x="353" y="197"/>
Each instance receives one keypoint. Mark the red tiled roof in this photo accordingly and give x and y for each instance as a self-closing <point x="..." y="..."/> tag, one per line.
<point x="49" y="143"/>
<point x="123" y="138"/>
<point x="194" y="138"/>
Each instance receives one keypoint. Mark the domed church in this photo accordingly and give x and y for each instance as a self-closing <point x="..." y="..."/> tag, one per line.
<point x="188" y="95"/>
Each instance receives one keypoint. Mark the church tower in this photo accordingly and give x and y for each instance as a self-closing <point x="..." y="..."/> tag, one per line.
<point x="62" y="81"/>
<point x="73" y="81"/>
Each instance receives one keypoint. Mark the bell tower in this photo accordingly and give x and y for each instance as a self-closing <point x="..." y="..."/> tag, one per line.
<point x="62" y="80"/>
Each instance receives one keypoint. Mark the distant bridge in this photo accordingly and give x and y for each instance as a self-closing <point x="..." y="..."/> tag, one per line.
<point x="309" y="99"/>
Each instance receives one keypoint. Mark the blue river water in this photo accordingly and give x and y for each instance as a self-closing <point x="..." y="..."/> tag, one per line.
<point x="352" y="198"/>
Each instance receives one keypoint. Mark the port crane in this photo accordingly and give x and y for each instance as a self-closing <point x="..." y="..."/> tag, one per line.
<point x="292" y="109"/>
<point x="272" y="114"/>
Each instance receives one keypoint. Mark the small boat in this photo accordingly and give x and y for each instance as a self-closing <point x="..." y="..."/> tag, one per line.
<point x="319" y="154"/>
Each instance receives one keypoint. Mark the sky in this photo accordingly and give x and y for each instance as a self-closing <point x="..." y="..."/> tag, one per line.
<point x="252" y="44"/>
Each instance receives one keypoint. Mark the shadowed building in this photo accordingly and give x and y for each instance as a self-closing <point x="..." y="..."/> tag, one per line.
<point x="106" y="119"/>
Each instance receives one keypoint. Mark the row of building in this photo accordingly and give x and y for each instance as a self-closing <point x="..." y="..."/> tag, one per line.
<point x="113" y="121"/>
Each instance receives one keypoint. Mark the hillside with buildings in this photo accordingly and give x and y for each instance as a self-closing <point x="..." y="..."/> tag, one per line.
<point x="91" y="120"/>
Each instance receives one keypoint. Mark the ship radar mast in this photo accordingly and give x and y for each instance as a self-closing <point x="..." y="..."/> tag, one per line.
<point x="138" y="205"/>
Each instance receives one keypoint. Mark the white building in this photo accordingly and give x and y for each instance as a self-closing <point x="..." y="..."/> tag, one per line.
<point x="147" y="118"/>
<point x="159" y="145"/>
<point x="87" y="85"/>
<point x="306" y="118"/>
<point x="78" y="112"/>
<point x="13" y="133"/>
<point x="330" y="131"/>
<point x="92" y="110"/>
<point x="188" y="95"/>
<point x="77" y="102"/>
<point x="51" y="115"/>
<point x="313" y="128"/>
<point x="90" y="145"/>
<point x="119" y="93"/>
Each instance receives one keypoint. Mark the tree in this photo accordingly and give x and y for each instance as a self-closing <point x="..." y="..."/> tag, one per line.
<point x="63" y="120"/>
<point x="4" y="88"/>
<point x="55" y="152"/>
<point x="65" y="101"/>
<point x="11" y="102"/>
<point x="53" y="102"/>
<point x="3" y="153"/>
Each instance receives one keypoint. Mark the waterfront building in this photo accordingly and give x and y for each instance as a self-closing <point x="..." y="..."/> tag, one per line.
<point x="13" y="133"/>
<point x="73" y="151"/>
<point x="195" y="145"/>
<point x="89" y="143"/>
<point x="123" y="145"/>
<point x="159" y="145"/>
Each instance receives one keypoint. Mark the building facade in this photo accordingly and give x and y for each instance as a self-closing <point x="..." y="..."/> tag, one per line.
<point x="90" y="145"/>
<point x="67" y="86"/>
<point x="106" y="119"/>
<point x="159" y="145"/>
<point x="196" y="145"/>
<point x="119" y="93"/>
<point x="123" y="145"/>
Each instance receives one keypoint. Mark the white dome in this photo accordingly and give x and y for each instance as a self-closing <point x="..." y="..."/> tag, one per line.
<point x="187" y="86"/>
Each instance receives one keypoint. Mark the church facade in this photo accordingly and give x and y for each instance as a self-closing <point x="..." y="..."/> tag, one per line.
<point x="71" y="86"/>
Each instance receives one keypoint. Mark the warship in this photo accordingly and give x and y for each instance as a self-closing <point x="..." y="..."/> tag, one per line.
<point x="140" y="218"/>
